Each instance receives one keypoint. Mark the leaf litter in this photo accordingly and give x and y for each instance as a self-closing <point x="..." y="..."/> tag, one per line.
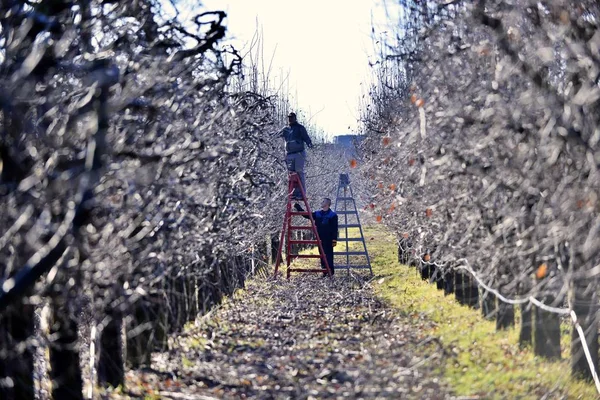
<point x="306" y="338"/>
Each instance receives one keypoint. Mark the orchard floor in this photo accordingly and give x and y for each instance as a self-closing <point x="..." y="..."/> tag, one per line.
<point x="306" y="338"/>
<point x="391" y="336"/>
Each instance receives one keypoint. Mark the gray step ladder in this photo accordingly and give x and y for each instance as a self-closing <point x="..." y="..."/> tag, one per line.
<point x="345" y="207"/>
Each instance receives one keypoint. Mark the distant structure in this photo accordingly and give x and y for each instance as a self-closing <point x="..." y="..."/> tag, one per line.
<point x="348" y="143"/>
<point x="348" y="140"/>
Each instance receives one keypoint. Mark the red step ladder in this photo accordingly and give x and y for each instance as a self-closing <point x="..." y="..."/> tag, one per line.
<point x="286" y="233"/>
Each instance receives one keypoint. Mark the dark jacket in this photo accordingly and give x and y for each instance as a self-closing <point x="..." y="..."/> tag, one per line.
<point x="295" y="136"/>
<point x="327" y="224"/>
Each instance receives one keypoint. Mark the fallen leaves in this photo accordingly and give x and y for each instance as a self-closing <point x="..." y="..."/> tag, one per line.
<point x="309" y="335"/>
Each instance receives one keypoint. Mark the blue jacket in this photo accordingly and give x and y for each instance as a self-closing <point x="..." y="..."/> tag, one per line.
<point x="327" y="224"/>
<point x="295" y="136"/>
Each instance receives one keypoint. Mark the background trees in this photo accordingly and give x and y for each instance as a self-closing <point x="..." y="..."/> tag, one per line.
<point x="132" y="174"/>
<point x="484" y="120"/>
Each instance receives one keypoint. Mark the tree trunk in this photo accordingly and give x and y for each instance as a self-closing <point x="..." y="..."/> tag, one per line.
<point x="471" y="291"/>
<point x="488" y="305"/>
<point x="459" y="287"/>
<point x="439" y="280"/>
<point x="139" y="331"/>
<point x="449" y="282"/>
<point x="526" y="332"/>
<point x="16" y="327"/>
<point x="585" y="305"/>
<point x="161" y="318"/>
<point x="65" y="373"/>
<point x="505" y="316"/>
<point x="546" y="333"/>
<point x="111" y="368"/>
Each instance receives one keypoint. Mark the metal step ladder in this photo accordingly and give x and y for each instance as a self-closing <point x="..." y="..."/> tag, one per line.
<point x="350" y="220"/>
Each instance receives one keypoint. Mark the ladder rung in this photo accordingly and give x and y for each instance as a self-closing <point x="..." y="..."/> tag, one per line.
<point x="305" y="255"/>
<point x="304" y="242"/>
<point x="349" y="226"/>
<point x="349" y="253"/>
<point x="299" y="213"/>
<point x="346" y="212"/>
<point x="350" y="240"/>
<point x="345" y="198"/>
<point x="301" y="227"/>
<point x="352" y="266"/>
<point x="307" y="270"/>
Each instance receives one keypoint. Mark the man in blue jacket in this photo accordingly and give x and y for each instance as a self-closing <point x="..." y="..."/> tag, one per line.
<point x="327" y="228"/>
<point x="295" y="136"/>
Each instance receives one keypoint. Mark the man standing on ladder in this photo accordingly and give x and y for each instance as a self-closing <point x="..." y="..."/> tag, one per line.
<point x="327" y="227"/>
<point x="295" y="136"/>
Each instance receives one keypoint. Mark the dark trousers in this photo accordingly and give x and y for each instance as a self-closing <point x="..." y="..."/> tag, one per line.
<point x="328" y="249"/>
<point x="295" y="163"/>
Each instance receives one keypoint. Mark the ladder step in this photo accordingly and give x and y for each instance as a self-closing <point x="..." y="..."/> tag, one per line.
<point x="346" y="212"/>
<point x="307" y="270"/>
<point x="300" y="227"/>
<point x="351" y="240"/>
<point x="345" y="198"/>
<point x="349" y="253"/>
<point x="299" y="213"/>
<point x="304" y="242"/>
<point x="305" y="255"/>
<point x="349" y="226"/>
<point x="352" y="266"/>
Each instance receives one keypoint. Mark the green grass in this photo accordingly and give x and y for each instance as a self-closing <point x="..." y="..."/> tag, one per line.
<point x="481" y="362"/>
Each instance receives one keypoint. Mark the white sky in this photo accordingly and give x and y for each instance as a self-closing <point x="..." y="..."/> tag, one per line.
<point x="323" y="45"/>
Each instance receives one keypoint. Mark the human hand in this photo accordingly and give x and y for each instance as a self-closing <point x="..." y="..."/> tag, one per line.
<point x="334" y="243"/>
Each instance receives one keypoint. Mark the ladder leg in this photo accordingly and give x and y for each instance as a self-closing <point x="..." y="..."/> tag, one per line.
<point x="362" y="234"/>
<point x="288" y="219"/>
<point x="346" y="223"/>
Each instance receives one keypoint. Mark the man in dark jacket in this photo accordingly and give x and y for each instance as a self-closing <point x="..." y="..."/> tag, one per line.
<point x="327" y="228"/>
<point x="295" y="136"/>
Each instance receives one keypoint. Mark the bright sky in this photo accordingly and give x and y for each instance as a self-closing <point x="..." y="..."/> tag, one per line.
<point x="323" y="45"/>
